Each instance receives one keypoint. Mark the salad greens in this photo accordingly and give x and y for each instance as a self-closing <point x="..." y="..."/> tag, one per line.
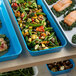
<point x="21" y="72"/>
<point x="34" y="25"/>
<point x="74" y="39"/>
<point x="51" y="1"/>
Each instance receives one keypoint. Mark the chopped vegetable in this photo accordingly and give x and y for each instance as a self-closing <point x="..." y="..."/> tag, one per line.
<point x="66" y="27"/>
<point x="40" y="29"/>
<point x="34" y="25"/>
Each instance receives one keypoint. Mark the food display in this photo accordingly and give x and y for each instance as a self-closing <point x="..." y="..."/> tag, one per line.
<point x="34" y="25"/>
<point x="60" y="66"/>
<point x="21" y="72"/>
<point x="4" y="44"/>
<point x="74" y="39"/>
<point x="64" y="12"/>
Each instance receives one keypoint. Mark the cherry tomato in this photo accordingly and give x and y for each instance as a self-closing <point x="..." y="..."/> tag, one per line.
<point x="14" y="5"/>
<point x="32" y="20"/>
<point x="40" y="29"/>
<point x="39" y="37"/>
<point x="22" y="15"/>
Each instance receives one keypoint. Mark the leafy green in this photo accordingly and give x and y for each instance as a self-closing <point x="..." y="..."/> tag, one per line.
<point x="69" y="12"/>
<point x="66" y="27"/>
<point x="51" y="1"/>
<point x="74" y="39"/>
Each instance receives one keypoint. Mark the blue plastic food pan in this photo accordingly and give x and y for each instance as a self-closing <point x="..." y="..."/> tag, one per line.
<point x="61" y="72"/>
<point x="55" y="27"/>
<point x="7" y="29"/>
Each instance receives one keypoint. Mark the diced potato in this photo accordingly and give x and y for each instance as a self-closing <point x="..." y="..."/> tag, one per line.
<point x="42" y="37"/>
<point x="62" y="68"/>
<point x="47" y="33"/>
<point x="46" y="48"/>
<point x="36" y="47"/>
<point x="44" y="23"/>
<point x="37" y="20"/>
<point x="43" y="45"/>
<point x="20" y="24"/>
<point x="34" y="17"/>
<point x="30" y="40"/>
<point x="26" y="30"/>
<point x="30" y="27"/>
<point x="34" y="36"/>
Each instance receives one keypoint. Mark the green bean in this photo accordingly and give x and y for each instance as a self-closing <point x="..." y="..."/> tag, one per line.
<point x="24" y="72"/>
<point x="51" y="36"/>
<point x="30" y="32"/>
<point x="56" y="42"/>
<point x="26" y="38"/>
<point x="25" y="17"/>
<point x="18" y="9"/>
<point x="48" y="28"/>
<point x="26" y="9"/>
<point x="34" y="25"/>
<point x="51" y="43"/>
<point x="40" y="13"/>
